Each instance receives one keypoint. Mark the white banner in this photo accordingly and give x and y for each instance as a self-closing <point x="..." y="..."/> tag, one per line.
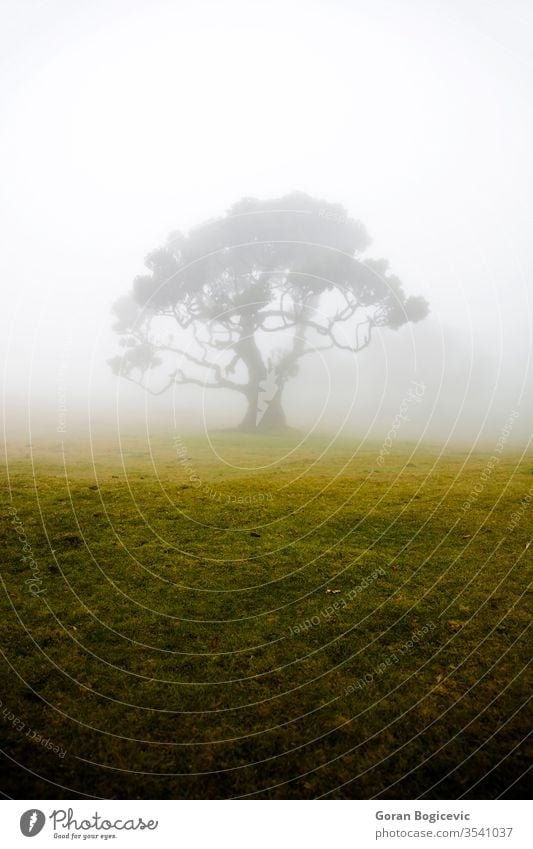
<point x="254" y="825"/>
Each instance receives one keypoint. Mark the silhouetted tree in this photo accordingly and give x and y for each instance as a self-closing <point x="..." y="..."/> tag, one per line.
<point x="292" y="265"/>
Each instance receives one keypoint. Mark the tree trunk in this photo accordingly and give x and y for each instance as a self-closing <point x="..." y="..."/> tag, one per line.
<point x="272" y="419"/>
<point x="249" y="422"/>
<point x="274" y="415"/>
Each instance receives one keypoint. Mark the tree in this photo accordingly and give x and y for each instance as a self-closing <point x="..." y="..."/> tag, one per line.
<point x="212" y="301"/>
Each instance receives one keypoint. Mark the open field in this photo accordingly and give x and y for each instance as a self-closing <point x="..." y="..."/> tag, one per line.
<point x="318" y="626"/>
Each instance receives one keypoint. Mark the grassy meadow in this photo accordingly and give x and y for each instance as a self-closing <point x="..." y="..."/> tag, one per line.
<point x="252" y="617"/>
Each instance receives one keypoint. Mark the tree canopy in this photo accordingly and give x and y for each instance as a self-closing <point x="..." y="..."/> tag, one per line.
<point x="290" y="268"/>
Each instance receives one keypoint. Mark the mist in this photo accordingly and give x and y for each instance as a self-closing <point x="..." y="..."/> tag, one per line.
<point x="125" y="121"/>
<point x="267" y="399"/>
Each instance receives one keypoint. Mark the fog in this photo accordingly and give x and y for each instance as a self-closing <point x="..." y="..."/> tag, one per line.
<point x="124" y="121"/>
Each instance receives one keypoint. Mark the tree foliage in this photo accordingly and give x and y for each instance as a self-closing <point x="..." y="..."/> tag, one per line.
<point x="293" y="266"/>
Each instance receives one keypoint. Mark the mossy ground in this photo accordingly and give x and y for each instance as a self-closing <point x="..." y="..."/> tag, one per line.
<point x="168" y="654"/>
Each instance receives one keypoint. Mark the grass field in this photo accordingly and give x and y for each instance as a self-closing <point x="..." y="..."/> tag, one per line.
<point x="192" y="626"/>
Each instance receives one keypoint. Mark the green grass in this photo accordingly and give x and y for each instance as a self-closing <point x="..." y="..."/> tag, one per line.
<point x="167" y="655"/>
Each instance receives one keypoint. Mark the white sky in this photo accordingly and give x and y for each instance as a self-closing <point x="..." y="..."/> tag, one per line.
<point x="121" y="121"/>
